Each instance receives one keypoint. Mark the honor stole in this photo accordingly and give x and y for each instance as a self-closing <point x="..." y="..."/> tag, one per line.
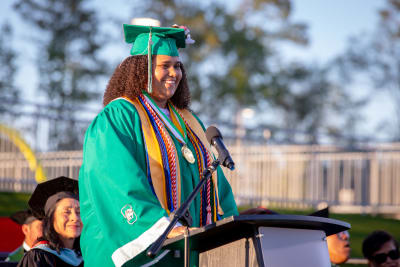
<point x="163" y="169"/>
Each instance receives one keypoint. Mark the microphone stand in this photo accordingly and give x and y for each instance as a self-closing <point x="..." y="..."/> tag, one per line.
<point x="155" y="248"/>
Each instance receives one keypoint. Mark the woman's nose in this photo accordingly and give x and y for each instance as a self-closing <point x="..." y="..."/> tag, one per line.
<point x="172" y="72"/>
<point x="75" y="216"/>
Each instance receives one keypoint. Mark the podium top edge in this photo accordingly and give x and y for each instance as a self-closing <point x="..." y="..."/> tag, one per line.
<point x="328" y="225"/>
<point x="286" y="217"/>
<point x="244" y="226"/>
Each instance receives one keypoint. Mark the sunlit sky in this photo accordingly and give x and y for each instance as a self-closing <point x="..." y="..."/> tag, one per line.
<point x="330" y="24"/>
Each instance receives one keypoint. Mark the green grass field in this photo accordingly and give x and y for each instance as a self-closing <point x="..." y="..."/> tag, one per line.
<point x="12" y="202"/>
<point x="361" y="225"/>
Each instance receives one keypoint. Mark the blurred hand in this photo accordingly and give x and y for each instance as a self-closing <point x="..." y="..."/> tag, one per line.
<point x="180" y="26"/>
<point x="180" y="230"/>
<point x="189" y="39"/>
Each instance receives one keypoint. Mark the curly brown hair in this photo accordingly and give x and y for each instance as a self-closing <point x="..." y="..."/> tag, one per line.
<point x="130" y="79"/>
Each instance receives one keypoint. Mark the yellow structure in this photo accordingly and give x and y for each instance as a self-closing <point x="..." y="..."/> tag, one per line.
<point x="28" y="153"/>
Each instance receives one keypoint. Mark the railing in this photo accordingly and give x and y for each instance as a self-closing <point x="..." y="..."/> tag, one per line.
<point x="15" y="175"/>
<point x="280" y="176"/>
<point x="307" y="176"/>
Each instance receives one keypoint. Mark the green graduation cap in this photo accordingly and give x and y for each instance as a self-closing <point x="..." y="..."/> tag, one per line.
<point x="164" y="41"/>
<point x="149" y="40"/>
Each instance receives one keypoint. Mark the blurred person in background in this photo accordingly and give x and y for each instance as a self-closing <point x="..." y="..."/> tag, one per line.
<point x="56" y="202"/>
<point x="381" y="249"/>
<point x="339" y="247"/>
<point x="32" y="229"/>
<point x="338" y="244"/>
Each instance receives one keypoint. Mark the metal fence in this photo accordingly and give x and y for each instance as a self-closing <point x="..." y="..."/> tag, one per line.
<point x="16" y="176"/>
<point x="308" y="176"/>
<point x="280" y="176"/>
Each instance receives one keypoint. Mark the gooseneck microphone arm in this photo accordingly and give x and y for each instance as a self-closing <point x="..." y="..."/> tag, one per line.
<point x="214" y="137"/>
<point x="156" y="246"/>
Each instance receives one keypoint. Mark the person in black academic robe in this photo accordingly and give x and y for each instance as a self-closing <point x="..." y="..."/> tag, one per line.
<point x="32" y="230"/>
<point x="56" y="201"/>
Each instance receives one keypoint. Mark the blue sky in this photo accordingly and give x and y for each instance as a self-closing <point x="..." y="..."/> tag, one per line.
<point x="330" y="23"/>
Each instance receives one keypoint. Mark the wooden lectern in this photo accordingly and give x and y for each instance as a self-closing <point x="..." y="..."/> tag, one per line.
<point x="262" y="240"/>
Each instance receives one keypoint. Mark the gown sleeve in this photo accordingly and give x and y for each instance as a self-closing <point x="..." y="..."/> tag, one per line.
<point x="37" y="258"/>
<point x="227" y="201"/>
<point x="120" y="213"/>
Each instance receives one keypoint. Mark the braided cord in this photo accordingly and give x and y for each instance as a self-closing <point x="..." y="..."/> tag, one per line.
<point x="168" y="154"/>
<point x="202" y="157"/>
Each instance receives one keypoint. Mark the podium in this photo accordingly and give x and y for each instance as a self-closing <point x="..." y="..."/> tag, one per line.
<point x="262" y="240"/>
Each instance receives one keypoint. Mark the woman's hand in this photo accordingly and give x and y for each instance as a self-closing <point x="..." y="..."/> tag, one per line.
<point x="180" y="230"/>
<point x="188" y="40"/>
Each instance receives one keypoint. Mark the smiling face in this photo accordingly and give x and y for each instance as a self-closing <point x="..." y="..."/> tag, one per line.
<point x="67" y="220"/>
<point x="167" y="74"/>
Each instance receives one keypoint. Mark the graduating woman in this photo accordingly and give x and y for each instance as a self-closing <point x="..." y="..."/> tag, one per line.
<point x="143" y="155"/>
<point x="56" y="203"/>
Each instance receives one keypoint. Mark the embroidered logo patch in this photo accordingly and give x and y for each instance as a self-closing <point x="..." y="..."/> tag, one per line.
<point x="129" y="214"/>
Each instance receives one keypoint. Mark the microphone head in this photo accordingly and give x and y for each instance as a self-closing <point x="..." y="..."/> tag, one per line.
<point x="212" y="132"/>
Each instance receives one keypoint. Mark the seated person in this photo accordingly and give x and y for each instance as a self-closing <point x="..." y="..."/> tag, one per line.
<point x="32" y="229"/>
<point x="339" y="247"/>
<point x="338" y="244"/>
<point x="381" y="249"/>
<point x="57" y="203"/>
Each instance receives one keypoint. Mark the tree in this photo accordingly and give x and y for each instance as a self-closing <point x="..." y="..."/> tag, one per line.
<point x="233" y="57"/>
<point x="235" y="63"/>
<point x="317" y="105"/>
<point x="9" y="93"/>
<point x="235" y="60"/>
<point x="68" y="61"/>
<point x="376" y="56"/>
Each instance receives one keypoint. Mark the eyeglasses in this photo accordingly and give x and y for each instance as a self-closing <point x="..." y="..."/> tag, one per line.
<point x="343" y="235"/>
<point x="382" y="257"/>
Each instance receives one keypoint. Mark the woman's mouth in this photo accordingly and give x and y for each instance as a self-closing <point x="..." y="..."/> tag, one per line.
<point x="170" y="82"/>
<point x="75" y="226"/>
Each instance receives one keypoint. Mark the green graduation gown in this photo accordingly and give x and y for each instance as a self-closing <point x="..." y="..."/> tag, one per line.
<point x="120" y="213"/>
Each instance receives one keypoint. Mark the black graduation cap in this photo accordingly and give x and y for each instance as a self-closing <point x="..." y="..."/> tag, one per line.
<point x="22" y="217"/>
<point x="45" y="190"/>
<point x="321" y="213"/>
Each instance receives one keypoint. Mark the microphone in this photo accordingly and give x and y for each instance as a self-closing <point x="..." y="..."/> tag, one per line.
<point x="214" y="137"/>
